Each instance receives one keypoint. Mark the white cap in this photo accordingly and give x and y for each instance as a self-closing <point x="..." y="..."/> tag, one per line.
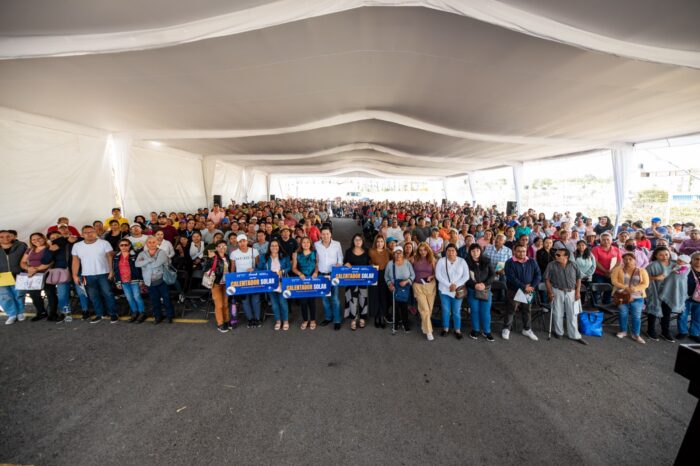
<point x="241" y="237"/>
<point x="397" y="248"/>
<point x="685" y="258"/>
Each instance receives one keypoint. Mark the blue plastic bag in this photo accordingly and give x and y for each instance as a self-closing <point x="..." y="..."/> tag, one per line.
<point x="591" y="324"/>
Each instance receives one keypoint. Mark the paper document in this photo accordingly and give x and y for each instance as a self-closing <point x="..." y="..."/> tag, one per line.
<point x="521" y="297"/>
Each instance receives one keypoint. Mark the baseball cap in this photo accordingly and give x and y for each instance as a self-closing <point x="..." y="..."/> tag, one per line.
<point x="241" y="237"/>
<point x="397" y="248"/>
<point x="390" y="239"/>
<point x="685" y="258"/>
<point x="656" y="220"/>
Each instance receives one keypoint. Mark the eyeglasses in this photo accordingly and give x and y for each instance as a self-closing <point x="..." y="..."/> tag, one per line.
<point x="124" y="245"/>
<point x="560" y="255"/>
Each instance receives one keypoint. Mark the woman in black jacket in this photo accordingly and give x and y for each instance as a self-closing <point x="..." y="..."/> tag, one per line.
<point x="219" y="263"/>
<point x="481" y="275"/>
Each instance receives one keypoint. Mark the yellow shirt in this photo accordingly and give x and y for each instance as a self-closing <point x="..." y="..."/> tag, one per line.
<point x="122" y="221"/>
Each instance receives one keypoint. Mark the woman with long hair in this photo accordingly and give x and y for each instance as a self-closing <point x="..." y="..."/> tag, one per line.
<point x="424" y="287"/>
<point x="666" y="292"/>
<point x="218" y="262"/>
<point x="305" y="266"/>
<point x="276" y="260"/>
<point x="379" y="296"/>
<point x="356" y="296"/>
<point x="32" y="264"/>
<point x="481" y="275"/>
<point x="635" y="280"/>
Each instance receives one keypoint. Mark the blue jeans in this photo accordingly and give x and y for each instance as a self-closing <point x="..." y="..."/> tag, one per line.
<point x="279" y="306"/>
<point x="63" y="293"/>
<point x="635" y="310"/>
<point x="99" y="290"/>
<point x="692" y="308"/>
<point x="11" y="300"/>
<point x="132" y="291"/>
<point x="251" y="306"/>
<point x="481" y="312"/>
<point x="331" y="305"/>
<point x="83" y="297"/>
<point x="451" y="306"/>
<point x="158" y="292"/>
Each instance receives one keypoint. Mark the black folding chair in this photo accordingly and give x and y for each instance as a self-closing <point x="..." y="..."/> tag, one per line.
<point x="197" y="298"/>
<point x="610" y="310"/>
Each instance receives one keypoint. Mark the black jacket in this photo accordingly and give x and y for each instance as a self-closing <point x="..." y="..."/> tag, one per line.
<point x="483" y="272"/>
<point x="10" y="262"/>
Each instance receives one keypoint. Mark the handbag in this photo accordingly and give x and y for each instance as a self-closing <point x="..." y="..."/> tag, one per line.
<point x="401" y="293"/>
<point x="460" y="291"/>
<point x="591" y="324"/>
<point x="482" y="295"/>
<point x="696" y="293"/>
<point x="27" y="283"/>
<point x="169" y="274"/>
<point x="210" y="275"/>
<point x="623" y="296"/>
<point x="57" y="276"/>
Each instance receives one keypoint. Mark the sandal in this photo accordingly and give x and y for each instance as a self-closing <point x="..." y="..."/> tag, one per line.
<point x="277" y="325"/>
<point x="303" y="325"/>
<point x="362" y="323"/>
<point x="285" y="326"/>
<point x="312" y="325"/>
<point x="353" y="324"/>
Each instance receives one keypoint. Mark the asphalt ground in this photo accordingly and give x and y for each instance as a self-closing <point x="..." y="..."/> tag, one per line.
<point x="122" y="394"/>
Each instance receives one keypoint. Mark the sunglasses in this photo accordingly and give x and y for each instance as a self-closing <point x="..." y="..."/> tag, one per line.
<point x="124" y="245"/>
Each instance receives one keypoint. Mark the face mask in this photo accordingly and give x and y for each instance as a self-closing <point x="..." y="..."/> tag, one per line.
<point x="630" y="248"/>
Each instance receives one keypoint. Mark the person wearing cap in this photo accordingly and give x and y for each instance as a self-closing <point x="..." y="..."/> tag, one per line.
<point x="116" y="215"/>
<point x="691" y="245"/>
<point x="330" y="254"/>
<point x="245" y="259"/>
<point x="216" y="215"/>
<point x="629" y="276"/>
<point x="63" y="221"/>
<point x="692" y="303"/>
<point x="655" y="232"/>
<point x="667" y="291"/>
<point x="399" y="272"/>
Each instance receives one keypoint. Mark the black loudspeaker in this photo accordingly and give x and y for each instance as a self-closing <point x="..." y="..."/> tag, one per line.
<point x="217" y="199"/>
<point x="272" y="197"/>
<point x="444" y="202"/>
<point x="511" y="208"/>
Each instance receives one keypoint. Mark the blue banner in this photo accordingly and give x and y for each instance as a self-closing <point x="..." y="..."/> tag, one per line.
<point x="359" y="275"/>
<point x="309" y="288"/>
<point x="262" y="281"/>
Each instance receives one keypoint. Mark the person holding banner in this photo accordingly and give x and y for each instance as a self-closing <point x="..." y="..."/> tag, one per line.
<point x="424" y="286"/>
<point x="330" y="255"/>
<point x="218" y="261"/>
<point x="399" y="273"/>
<point x="379" y="295"/>
<point x="305" y="265"/>
<point x="277" y="261"/>
<point x="245" y="259"/>
<point x="356" y="296"/>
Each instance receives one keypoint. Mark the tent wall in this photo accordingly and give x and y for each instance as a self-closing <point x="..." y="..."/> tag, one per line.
<point x="47" y="173"/>
<point x="163" y="179"/>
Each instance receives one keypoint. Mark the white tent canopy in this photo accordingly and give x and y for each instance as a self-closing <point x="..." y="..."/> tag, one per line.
<point x="239" y="91"/>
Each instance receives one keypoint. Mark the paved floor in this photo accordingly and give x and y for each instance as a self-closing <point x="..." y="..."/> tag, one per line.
<point x="184" y="394"/>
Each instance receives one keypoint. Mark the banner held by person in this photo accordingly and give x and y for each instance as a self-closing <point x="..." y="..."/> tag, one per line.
<point x="262" y="281"/>
<point x="359" y="275"/>
<point x="310" y="288"/>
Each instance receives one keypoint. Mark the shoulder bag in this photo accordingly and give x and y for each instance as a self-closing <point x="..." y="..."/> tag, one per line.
<point x="401" y="293"/>
<point x="460" y="291"/>
<point x="58" y="276"/>
<point x="623" y="296"/>
<point x="209" y="276"/>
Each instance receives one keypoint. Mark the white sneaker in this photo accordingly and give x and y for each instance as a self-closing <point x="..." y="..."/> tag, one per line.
<point x="21" y="317"/>
<point x="11" y="320"/>
<point x="530" y="334"/>
<point x="429" y="336"/>
<point x="505" y="334"/>
<point x="68" y="318"/>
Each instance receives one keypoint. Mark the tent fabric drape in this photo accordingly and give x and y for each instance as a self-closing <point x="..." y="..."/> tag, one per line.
<point x="518" y="170"/>
<point x="621" y="162"/>
<point x="164" y="179"/>
<point x="286" y="11"/>
<point x="119" y="153"/>
<point x="471" y="187"/>
<point x="49" y="173"/>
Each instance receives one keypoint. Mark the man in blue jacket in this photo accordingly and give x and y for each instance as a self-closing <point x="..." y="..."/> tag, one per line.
<point x="522" y="275"/>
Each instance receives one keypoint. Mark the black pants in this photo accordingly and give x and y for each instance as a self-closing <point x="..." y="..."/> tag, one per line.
<point x="308" y="308"/>
<point x="401" y="313"/>
<point x="38" y="301"/>
<point x="379" y="298"/>
<point x="665" y="321"/>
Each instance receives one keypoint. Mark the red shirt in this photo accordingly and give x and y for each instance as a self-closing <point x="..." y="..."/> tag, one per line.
<point x="124" y="268"/>
<point x="643" y="243"/>
<point x="71" y="228"/>
<point x="603" y="258"/>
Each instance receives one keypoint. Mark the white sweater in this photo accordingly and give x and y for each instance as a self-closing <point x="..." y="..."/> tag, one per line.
<point x="458" y="272"/>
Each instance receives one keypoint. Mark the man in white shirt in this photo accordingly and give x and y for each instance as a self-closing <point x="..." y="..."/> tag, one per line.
<point x="93" y="258"/>
<point x="330" y="255"/>
<point x="394" y="230"/>
<point x="245" y="259"/>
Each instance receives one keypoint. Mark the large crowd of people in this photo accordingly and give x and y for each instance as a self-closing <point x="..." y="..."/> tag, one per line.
<point x="429" y="257"/>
